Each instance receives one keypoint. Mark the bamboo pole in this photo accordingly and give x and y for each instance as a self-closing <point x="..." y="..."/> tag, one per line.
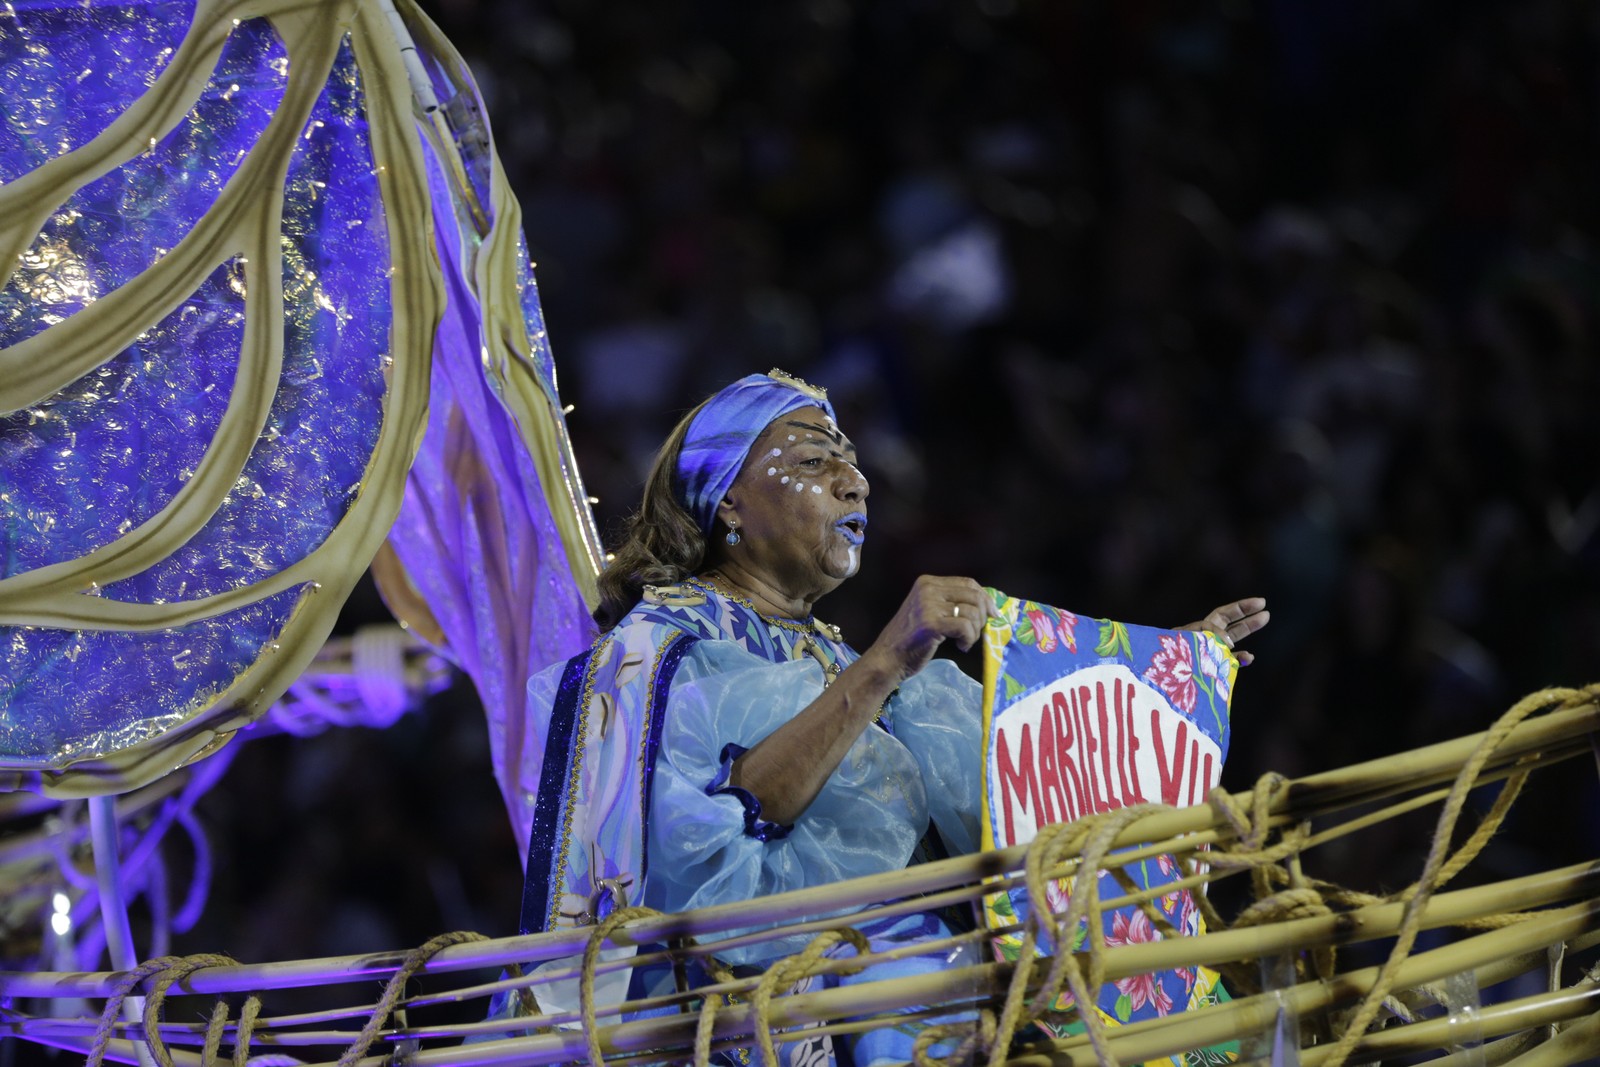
<point x="1520" y="1019"/>
<point x="1581" y="1041"/>
<point x="923" y="879"/>
<point x="1373" y="921"/>
<point x="1136" y="1042"/>
<point x="1158" y="1037"/>
<point x="1495" y="1020"/>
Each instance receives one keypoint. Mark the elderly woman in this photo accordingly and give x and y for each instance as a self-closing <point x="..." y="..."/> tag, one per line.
<point x="718" y="742"/>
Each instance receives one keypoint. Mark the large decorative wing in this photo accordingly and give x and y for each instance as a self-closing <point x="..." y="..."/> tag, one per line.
<point x="496" y="543"/>
<point x="214" y="362"/>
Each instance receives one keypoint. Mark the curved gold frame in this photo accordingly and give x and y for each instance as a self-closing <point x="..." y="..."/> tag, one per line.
<point x="244" y="224"/>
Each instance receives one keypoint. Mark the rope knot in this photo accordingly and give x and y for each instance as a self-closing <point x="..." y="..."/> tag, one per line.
<point x="166" y="970"/>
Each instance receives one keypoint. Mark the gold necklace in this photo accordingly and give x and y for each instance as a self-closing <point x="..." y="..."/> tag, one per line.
<point x="807" y="630"/>
<point x="793" y="625"/>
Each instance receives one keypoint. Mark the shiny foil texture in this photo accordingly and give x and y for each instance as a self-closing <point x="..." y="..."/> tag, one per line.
<point x="105" y="454"/>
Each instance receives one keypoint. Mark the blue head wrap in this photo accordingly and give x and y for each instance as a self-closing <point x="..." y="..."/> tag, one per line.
<point x="721" y="434"/>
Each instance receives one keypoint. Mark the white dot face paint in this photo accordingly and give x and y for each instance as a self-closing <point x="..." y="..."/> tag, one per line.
<point x="791" y="437"/>
<point x="798" y="486"/>
<point x="771" y="471"/>
<point x="784" y="480"/>
<point x="816" y="488"/>
<point x="777" y="452"/>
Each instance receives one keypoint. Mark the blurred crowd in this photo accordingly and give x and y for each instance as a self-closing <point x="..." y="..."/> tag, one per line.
<point x="1130" y="306"/>
<point x="1133" y="307"/>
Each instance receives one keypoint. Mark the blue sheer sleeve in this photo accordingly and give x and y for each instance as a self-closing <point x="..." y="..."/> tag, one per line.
<point x="938" y="716"/>
<point x="867" y="820"/>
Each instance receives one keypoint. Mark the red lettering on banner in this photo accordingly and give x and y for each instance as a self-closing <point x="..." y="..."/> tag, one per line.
<point x="1171" y="774"/>
<point x="1194" y="758"/>
<point x="1065" y="764"/>
<point x="1026" y="784"/>
<point x="1080" y="702"/>
<point x="1105" y="737"/>
<point x="1134" y="745"/>
<point x="1093" y="742"/>
<point x="1049" y="780"/>
<point x="1078" y="750"/>
<point x="1122" y="742"/>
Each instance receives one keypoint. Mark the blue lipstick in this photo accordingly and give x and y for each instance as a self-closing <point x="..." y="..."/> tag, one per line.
<point x="854" y="527"/>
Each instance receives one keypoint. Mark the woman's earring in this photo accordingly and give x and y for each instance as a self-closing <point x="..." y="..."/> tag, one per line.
<point x="733" y="535"/>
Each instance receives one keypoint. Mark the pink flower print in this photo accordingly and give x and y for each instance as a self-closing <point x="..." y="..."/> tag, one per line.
<point x="1056" y="896"/>
<point x="1172" y="670"/>
<point x="1169" y="871"/>
<point x="1044" y="630"/>
<point x="1066" y="623"/>
<point x="1189" y="916"/>
<point x="1127" y="928"/>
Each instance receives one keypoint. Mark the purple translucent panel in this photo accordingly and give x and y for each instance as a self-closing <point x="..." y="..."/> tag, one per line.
<point x="533" y="314"/>
<point x="74" y="694"/>
<point x="498" y="631"/>
<point x="115" y="227"/>
<point x="109" y="451"/>
<point x="304" y="471"/>
<point x="67" y="69"/>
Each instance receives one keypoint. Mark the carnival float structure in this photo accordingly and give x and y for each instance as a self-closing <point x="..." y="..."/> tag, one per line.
<point x="268" y="320"/>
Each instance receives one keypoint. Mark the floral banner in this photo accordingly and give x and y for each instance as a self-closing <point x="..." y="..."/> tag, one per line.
<point x="1088" y="715"/>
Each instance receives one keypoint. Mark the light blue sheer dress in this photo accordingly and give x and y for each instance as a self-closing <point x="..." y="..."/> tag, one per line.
<point x="634" y="803"/>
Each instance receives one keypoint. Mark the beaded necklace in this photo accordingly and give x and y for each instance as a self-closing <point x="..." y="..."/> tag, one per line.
<point x="793" y="625"/>
<point x="809" y="629"/>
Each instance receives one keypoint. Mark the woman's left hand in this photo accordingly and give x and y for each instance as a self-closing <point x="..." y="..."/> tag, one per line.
<point x="1234" y="622"/>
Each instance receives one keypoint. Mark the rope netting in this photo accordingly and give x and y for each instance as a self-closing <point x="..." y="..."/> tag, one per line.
<point x="1335" y="971"/>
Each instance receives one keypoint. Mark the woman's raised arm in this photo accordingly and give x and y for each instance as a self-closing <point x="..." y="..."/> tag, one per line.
<point x="788" y="768"/>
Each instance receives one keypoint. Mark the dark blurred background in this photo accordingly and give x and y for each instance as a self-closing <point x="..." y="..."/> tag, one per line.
<point x="1132" y="307"/>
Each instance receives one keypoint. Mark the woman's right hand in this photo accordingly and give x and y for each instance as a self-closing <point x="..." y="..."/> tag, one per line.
<point x="935" y="611"/>
<point x="786" y="770"/>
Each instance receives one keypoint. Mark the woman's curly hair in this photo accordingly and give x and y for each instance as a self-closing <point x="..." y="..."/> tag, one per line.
<point x="662" y="543"/>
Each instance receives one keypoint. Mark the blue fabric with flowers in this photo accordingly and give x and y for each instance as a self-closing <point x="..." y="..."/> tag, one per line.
<point x="1085" y="716"/>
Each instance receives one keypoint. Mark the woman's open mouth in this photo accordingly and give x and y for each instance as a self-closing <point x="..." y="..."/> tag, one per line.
<point x="854" y="527"/>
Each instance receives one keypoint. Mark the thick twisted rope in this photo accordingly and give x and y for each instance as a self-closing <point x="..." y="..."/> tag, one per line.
<point x="708" y="1007"/>
<point x="591" y="957"/>
<point x="247" y="1026"/>
<point x="1083" y="907"/>
<point x="789" y="971"/>
<point x="214" y="1031"/>
<point x="1436" y="864"/>
<point x="977" y="1034"/>
<point x="415" y="960"/>
<point x="172" y="969"/>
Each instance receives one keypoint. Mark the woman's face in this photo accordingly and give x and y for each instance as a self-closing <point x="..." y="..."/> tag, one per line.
<point x="800" y="505"/>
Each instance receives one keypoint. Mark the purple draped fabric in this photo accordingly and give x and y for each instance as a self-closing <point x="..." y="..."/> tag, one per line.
<point x="475" y="533"/>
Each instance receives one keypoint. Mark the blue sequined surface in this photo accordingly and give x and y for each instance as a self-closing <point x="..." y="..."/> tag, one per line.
<point x="85" y="693"/>
<point x="107" y="452"/>
<point x="110" y="450"/>
<point x="305" y="470"/>
<point x="68" y="70"/>
<point x="112" y="229"/>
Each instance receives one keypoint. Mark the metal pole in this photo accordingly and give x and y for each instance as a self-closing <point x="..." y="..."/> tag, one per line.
<point x="103" y="837"/>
